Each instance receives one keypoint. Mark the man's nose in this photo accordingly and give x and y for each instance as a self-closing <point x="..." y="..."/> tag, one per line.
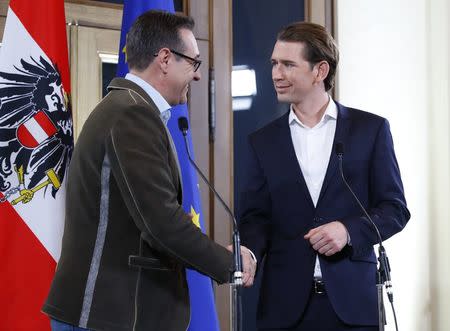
<point x="276" y="73"/>
<point x="197" y="75"/>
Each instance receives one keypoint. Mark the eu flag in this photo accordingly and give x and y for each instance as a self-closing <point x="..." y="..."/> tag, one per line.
<point x="203" y="312"/>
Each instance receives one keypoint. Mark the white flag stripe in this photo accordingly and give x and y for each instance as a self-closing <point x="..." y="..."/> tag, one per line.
<point x="42" y="216"/>
<point x="36" y="130"/>
<point x="27" y="47"/>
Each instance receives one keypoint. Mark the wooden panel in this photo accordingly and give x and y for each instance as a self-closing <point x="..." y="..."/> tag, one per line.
<point x="3" y="11"/>
<point x="223" y="145"/>
<point x="315" y="11"/>
<point x="321" y="12"/>
<point x="91" y="42"/>
<point x="73" y="65"/>
<point x="2" y="27"/>
<point x="88" y="83"/>
<point x="324" y="12"/>
<point x="98" y="3"/>
<point x="199" y="10"/>
<point x="110" y="18"/>
<point x="3" y="7"/>
<point x="198" y="116"/>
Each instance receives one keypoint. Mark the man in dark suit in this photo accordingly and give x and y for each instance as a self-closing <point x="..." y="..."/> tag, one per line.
<point x="127" y="240"/>
<point x="295" y="211"/>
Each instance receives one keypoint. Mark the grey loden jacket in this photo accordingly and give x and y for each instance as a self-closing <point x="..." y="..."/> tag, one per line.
<point x="127" y="240"/>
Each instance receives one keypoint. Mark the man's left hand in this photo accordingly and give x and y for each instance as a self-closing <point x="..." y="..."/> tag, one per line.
<point x="329" y="238"/>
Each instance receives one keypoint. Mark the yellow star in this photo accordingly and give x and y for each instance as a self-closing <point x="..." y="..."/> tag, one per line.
<point x="124" y="50"/>
<point x="195" y="217"/>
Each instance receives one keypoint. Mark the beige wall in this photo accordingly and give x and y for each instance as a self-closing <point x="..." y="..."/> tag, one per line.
<point x="394" y="62"/>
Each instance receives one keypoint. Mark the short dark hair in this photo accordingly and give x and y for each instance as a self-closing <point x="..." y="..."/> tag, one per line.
<point x="152" y="31"/>
<point x="319" y="45"/>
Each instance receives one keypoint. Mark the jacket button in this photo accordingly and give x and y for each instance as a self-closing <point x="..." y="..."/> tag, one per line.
<point x="316" y="219"/>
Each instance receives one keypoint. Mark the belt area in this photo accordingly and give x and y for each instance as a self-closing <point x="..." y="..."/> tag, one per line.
<point x="319" y="286"/>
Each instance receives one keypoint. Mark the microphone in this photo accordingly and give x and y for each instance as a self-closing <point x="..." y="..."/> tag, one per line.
<point x="237" y="275"/>
<point x="385" y="268"/>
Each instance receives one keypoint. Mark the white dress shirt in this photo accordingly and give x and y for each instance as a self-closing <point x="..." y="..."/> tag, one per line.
<point x="157" y="98"/>
<point x="313" y="149"/>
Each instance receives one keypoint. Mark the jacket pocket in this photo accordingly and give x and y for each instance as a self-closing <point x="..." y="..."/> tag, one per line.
<point x="147" y="263"/>
<point x="371" y="258"/>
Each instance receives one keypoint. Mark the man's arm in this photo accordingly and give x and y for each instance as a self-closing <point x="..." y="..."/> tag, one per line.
<point x="388" y="206"/>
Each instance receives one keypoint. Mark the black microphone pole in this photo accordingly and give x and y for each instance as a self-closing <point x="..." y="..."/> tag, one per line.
<point x="237" y="273"/>
<point x="384" y="269"/>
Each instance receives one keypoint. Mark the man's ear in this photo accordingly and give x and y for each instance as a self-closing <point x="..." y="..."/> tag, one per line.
<point x="163" y="59"/>
<point x="323" y="68"/>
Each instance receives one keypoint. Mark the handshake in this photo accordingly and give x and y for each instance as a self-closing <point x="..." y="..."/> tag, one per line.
<point x="248" y="265"/>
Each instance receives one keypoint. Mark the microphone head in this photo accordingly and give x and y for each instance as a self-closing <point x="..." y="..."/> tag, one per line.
<point x="339" y="148"/>
<point x="183" y="125"/>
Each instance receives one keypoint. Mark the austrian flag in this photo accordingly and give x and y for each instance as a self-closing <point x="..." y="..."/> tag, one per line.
<point x="36" y="144"/>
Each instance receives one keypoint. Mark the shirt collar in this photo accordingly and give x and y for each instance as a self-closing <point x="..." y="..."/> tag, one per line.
<point x="330" y="113"/>
<point x="157" y="98"/>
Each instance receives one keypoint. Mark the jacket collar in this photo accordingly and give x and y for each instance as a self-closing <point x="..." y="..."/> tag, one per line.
<point x="119" y="83"/>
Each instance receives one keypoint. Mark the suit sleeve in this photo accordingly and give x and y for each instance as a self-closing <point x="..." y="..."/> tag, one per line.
<point x="255" y="207"/>
<point x="386" y="197"/>
<point x="138" y="149"/>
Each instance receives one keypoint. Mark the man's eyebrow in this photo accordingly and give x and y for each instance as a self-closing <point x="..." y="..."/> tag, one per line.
<point x="282" y="61"/>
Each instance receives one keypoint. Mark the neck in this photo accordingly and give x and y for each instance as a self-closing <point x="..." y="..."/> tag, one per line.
<point x="311" y="111"/>
<point x="152" y="78"/>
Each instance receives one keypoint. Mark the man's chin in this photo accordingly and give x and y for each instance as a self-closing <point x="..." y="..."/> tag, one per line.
<point x="283" y="98"/>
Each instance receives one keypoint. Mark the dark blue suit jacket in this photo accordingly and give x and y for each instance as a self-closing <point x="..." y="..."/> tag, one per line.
<point x="276" y="211"/>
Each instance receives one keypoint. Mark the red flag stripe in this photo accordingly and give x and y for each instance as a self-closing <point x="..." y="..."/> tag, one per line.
<point x="26" y="273"/>
<point x="45" y="123"/>
<point x="45" y="22"/>
<point x="26" y="138"/>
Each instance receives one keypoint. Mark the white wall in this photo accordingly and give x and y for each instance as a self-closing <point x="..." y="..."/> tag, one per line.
<point x="439" y="90"/>
<point x="394" y="62"/>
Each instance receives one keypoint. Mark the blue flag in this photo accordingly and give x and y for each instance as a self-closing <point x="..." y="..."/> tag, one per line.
<point x="203" y="311"/>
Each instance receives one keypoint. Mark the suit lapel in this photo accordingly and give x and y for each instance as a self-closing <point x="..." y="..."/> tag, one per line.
<point x="119" y="83"/>
<point x="287" y="157"/>
<point x="175" y="155"/>
<point x="341" y="135"/>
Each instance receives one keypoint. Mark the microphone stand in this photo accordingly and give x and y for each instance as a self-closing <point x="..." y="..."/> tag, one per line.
<point x="383" y="272"/>
<point x="236" y="279"/>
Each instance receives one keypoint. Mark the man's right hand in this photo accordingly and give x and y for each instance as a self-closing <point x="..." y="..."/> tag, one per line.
<point x="248" y="265"/>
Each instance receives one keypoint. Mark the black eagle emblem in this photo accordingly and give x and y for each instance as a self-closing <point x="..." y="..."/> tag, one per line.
<point x="34" y="91"/>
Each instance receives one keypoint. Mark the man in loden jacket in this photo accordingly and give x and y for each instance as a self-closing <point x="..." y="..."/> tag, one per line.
<point x="127" y="240"/>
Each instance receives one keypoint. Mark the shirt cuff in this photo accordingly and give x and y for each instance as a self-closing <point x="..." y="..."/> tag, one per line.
<point x="253" y="255"/>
